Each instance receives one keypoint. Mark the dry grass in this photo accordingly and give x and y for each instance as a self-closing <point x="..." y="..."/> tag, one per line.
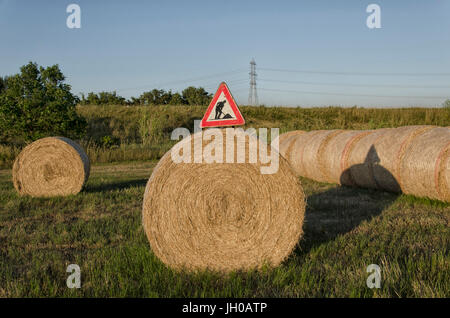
<point x="100" y="229"/>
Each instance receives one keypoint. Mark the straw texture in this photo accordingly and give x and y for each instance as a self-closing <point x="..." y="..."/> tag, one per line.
<point x="52" y="166"/>
<point x="425" y="168"/>
<point x="289" y="134"/>
<point x="334" y="153"/>
<point x="390" y="150"/>
<point x="286" y="142"/>
<point x="361" y="159"/>
<point x="222" y="216"/>
<point x="412" y="159"/>
<point x="297" y="152"/>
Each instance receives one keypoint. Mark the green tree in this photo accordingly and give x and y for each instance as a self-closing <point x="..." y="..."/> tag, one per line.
<point x="196" y="96"/>
<point x="2" y="84"/>
<point x="177" y="99"/>
<point x="36" y="103"/>
<point x="446" y="104"/>
<point x="110" y="98"/>
<point x="102" y="98"/>
<point x="134" y="101"/>
<point x="92" y="99"/>
<point x="156" y="97"/>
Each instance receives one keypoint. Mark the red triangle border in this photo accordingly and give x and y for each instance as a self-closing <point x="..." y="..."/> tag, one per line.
<point x="239" y="119"/>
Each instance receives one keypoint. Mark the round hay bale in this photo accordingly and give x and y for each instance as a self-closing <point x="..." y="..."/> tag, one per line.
<point x="361" y="159"/>
<point x="296" y="154"/>
<point x="313" y="154"/>
<point x="323" y="155"/>
<point x="425" y="167"/>
<point x="221" y="216"/>
<point x="286" y="141"/>
<point x="288" y="134"/>
<point x="346" y="177"/>
<point x="334" y="154"/>
<point x="52" y="166"/>
<point x="390" y="149"/>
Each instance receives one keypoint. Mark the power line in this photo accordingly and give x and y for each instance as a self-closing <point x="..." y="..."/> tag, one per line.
<point x="353" y="73"/>
<point x="252" y="94"/>
<point x="184" y="81"/>
<point x="355" y="95"/>
<point x="352" y="84"/>
<point x="230" y="82"/>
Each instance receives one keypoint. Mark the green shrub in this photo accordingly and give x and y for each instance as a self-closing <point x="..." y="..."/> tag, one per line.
<point x="37" y="103"/>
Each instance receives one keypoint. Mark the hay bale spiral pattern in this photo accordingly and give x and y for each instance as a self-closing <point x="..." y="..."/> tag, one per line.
<point x="222" y="216"/>
<point x="425" y="168"/>
<point x="52" y="166"/>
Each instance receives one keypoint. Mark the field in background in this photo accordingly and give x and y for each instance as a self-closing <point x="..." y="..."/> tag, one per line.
<point x="137" y="133"/>
<point x="100" y="229"/>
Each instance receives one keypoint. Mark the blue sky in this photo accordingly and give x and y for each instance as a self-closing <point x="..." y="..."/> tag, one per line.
<point x="133" y="46"/>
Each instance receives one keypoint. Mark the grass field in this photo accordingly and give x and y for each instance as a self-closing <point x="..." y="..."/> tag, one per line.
<point x="100" y="229"/>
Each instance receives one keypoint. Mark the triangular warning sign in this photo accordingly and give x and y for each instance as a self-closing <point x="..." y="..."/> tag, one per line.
<point x="222" y="111"/>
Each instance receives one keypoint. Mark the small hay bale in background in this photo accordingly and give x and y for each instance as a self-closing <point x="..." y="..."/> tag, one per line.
<point x="390" y="150"/>
<point x="222" y="216"/>
<point x="425" y="167"/>
<point x="52" y="166"/>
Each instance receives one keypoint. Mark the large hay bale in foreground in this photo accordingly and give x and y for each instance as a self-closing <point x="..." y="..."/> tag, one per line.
<point x="222" y="216"/>
<point x="52" y="166"/>
<point x="390" y="150"/>
<point x="425" y="167"/>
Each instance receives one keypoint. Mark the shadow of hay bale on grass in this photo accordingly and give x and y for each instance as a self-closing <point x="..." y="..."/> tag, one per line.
<point x="339" y="211"/>
<point x="115" y="186"/>
<point x="342" y="209"/>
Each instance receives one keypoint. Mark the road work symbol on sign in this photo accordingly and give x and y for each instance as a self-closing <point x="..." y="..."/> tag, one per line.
<point x="222" y="111"/>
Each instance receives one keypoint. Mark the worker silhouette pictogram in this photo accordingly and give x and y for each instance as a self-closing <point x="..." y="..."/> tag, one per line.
<point x="219" y="107"/>
<point x="219" y="112"/>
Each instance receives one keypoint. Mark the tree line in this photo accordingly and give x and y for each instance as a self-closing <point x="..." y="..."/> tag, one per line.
<point x="37" y="102"/>
<point x="189" y="96"/>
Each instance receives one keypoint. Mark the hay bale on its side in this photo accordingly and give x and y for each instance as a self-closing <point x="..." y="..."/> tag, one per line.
<point x="324" y="156"/>
<point x="313" y="155"/>
<point x="289" y="134"/>
<point x="390" y="150"/>
<point x="361" y="159"/>
<point x="222" y="216"/>
<point x="425" y="167"/>
<point x="334" y="152"/>
<point x="296" y="153"/>
<point x="52" y="166"/>
<point x="286" y="141"/>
